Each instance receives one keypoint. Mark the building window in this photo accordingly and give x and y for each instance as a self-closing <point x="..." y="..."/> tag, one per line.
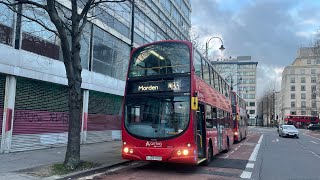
<point x="313" y="71"/>
<point x="293" y="113"/>
<point x="303" y="79"/>
<point x="292" y="71"/>
<point x="303" y="95"/>
<point x="318" y="61"/>
<point x="314" y="104"/>
<point x="309" y="61"/>
<point x="109" y="54"/>
<point x="293" y="104"/>
<point x="303" y="104"/>
<point x="313" y="113"/>
<point x="36" y="38"/>
<point x="252" y="104"/>
<point x="303" y="113"/>
<point x="313" y="88"/>
<point x="6" y="25"/>
<point x="303" y="87"/>
<point x="313" y="96"/>
<point x="293" y="88"/>
<point x="313" y="79"/>
<point x="252" y="111"/>
<point x="293" y="96"/>
<point x="302" y="71"/>
<point x="292" y="80"/>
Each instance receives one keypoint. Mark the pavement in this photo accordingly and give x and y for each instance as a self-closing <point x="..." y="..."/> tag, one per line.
<point x="105" y="153"/>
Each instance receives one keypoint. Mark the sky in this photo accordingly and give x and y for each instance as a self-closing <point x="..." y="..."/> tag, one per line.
<point x="270" y="31"/>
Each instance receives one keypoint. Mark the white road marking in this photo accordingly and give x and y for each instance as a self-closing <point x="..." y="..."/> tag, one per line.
<point x="115" y="169"/>
<point x="314" y="142"/>
<point x="314" y="154"/>
<point x="236" y="149"/>
<point x="260" y="139"/>
<point x="309" y="150"/>
<point x="277" y="140"/>
<point x="226" y="156"/>
<point x="254" y="154"/>
<point x="246" y="175"/>
<point x="249" y="165"/>
<point x="311" y="136"/>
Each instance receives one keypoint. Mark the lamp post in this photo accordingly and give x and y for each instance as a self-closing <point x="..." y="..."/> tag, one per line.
<point x="207" y="45"/>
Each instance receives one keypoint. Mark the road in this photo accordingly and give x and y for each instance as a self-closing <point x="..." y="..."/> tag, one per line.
<point x="288" y="158"/>
<point x="263" y="155"/>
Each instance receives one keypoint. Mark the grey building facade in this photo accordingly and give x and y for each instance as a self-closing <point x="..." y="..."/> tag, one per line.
<point x="240" y="72"/>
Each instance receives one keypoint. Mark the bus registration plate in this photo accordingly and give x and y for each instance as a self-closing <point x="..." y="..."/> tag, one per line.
<point x="154" y="158"/>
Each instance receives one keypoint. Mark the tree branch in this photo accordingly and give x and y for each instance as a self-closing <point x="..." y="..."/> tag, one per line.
<point x="24" y="2"/>
<point x="32" y="19"/>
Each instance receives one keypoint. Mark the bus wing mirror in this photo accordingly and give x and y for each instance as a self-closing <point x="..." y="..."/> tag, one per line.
<point x="194" y="103"/>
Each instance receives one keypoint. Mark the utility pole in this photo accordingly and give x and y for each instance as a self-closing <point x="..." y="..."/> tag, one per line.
<point x="132" y="25"/>
<point x="262" y="113"/>
<point x="268" y="110"/>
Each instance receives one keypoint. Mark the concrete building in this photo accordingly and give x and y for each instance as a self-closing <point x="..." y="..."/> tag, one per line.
<point x="240" y="72"/>
<point x="33" y="91"/>
<point x="300" y="84"/>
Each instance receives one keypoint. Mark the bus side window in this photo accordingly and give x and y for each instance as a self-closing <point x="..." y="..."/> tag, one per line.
<point x="209" y="123"/>
<point x="227" y="120"/>
<point x="197" y="64"/>
<point x="214" y="117"/>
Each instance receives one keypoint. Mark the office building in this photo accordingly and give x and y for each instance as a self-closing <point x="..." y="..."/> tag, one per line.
<point x="33" y="83"/>
<point x="240" y="72"/>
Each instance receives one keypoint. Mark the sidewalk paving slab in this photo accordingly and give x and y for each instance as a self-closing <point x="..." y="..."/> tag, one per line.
<point x="104" y="153"/>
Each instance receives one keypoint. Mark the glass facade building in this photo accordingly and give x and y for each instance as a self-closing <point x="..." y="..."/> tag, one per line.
<point x="31" y="57"/>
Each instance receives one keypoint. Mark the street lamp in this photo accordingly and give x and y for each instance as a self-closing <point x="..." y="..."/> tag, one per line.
<point x="207" y="45"/>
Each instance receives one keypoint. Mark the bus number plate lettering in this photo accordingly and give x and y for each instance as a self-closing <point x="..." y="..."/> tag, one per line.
<point x="154" y="158"/>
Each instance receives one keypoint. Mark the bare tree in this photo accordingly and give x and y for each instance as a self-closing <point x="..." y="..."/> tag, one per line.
<point x="68" y="26"/>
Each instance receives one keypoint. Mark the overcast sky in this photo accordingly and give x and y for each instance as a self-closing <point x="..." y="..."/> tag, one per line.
<point x="271" y="31"/>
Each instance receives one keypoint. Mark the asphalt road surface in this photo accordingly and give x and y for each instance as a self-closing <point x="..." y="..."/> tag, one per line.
<point x="263" y="155"/>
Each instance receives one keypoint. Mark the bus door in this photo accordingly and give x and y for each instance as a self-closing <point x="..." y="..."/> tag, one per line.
<point x="220" y="127"/>
<point x="201" y="135"/>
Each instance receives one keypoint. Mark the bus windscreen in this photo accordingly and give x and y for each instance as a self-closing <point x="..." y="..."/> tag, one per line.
<point x="160" y="59"/>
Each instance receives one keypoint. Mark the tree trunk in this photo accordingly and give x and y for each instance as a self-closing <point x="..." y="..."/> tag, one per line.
<point x="73" y="69"/>
<point x="72" y="158"/>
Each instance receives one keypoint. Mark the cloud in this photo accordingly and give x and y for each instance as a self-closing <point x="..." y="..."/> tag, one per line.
<point x="268" y="78"/>
<point x="271" y="31"/>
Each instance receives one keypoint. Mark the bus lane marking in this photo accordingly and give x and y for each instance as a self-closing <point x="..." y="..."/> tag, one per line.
<point x="246" y="175"/>
<point x="254" y="154"/>
<point x="249" y="165"/>
<point x="314" y="142"/>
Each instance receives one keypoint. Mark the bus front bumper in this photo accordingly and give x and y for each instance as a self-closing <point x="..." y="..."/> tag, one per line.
<point x="172" y="155"/>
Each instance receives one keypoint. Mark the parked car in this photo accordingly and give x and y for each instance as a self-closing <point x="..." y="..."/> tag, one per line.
<point x="288" y="131"/>
<point x="314" y="126"/>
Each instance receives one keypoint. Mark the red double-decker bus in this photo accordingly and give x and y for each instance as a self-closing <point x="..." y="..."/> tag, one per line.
<point x="240" y="117"/>
<point x="176" y="106"/>
<point x="300" y="121"/>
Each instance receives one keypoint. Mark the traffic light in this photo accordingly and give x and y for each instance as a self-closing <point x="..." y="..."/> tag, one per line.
<point x="272" y="116"/>
<point x="277" y="117"/>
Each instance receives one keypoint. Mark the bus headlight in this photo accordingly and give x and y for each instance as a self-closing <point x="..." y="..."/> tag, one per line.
<point x="131" y="151"/>
<point x="126" y="150"/>
<point x="236" y="133"/>
<point x="188" y="145"/>
<point x="185" y="152"/>
<point x="179" y="152"/>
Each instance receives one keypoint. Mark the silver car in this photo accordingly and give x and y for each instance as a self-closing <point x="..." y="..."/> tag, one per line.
<point x="288" y="131"/>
